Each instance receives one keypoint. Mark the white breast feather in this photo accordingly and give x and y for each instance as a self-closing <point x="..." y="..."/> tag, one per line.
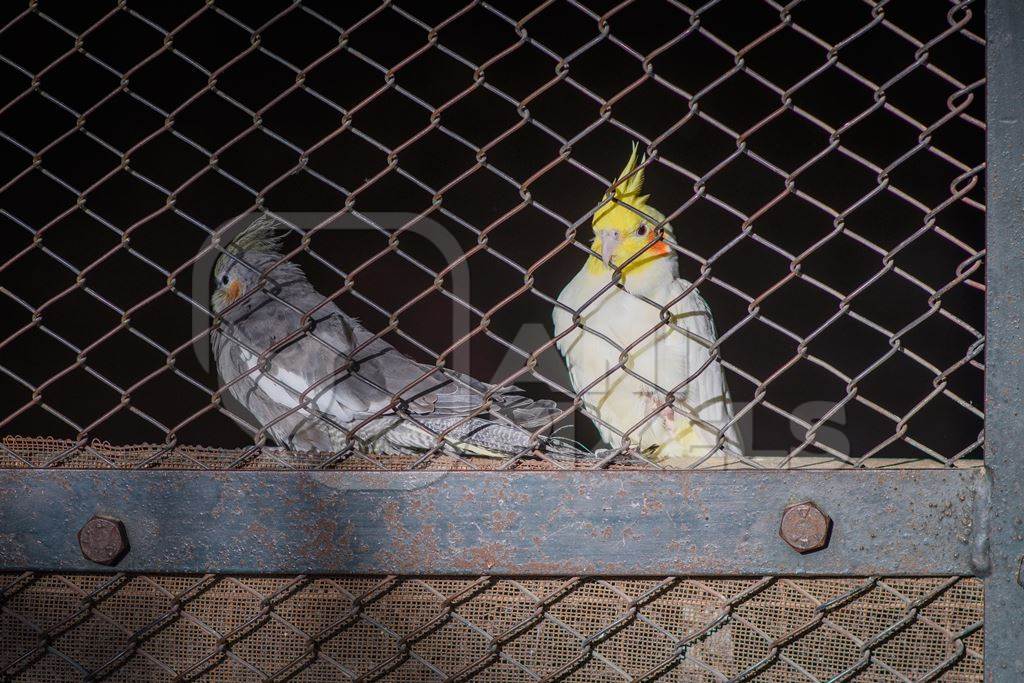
<point x="284" y="386"/>
<point x="666" y="358"/>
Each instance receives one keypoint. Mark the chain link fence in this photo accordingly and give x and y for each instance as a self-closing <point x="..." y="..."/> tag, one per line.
<point x="436" y="171"/>
<point x="220" y="627"/>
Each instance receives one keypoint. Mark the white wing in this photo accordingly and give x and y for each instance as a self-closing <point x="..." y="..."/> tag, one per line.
<point x="707" y="395"/>
<point x="285" y="387"/>
<point x="586" y="354"/>
<point x="571" y="297"/>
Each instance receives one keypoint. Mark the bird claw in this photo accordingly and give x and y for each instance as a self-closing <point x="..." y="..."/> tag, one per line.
<point x="651" y="403"/>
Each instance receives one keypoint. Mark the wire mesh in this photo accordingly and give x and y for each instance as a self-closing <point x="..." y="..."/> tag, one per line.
<point x="842" y="271"/>
<point x="219" y="627"/>
<point x="821" y="163"/>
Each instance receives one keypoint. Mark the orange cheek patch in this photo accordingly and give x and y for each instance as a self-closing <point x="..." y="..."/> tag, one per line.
<point x="234" y="290"/>
<point x="660" y="248"/>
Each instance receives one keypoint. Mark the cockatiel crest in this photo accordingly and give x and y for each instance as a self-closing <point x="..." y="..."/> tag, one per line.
<point x="625" y="225"/>
<point x="252" y="250"/>
<point x="627" y="191"/>
<point x="263" y="236"/>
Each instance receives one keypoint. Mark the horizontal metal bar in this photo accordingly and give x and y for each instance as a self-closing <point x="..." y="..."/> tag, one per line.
<point x="909" y="522"/>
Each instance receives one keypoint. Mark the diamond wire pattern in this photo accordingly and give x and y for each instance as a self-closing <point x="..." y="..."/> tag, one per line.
<point x="237" y="628"/>
<point x="961" y="192"/>
<point x="499" y="642"/>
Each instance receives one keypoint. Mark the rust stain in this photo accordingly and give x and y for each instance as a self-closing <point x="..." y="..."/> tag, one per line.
<point x="651" y="505"/>
<point x="321" y="539"/>
<point x="503" y="520"/>
<point x="392" y="515"/>
<point x="408" y="553"/>
<point x="485" y="556"/>
<point x="256" y="529"/>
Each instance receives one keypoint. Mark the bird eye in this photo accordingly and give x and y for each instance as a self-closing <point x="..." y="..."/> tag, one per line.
<point x="224" y="279"/>
<point x="641" y="230"/>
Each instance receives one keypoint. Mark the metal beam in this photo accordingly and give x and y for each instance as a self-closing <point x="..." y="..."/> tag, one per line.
<point x="1004" y="362"/>
<point x="654" y="523"/>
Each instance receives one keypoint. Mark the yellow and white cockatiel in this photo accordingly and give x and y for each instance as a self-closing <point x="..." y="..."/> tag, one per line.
<point x="663" y="356"/>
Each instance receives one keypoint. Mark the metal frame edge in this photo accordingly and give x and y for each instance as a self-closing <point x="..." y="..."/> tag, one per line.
<point x="1004" y="351"/>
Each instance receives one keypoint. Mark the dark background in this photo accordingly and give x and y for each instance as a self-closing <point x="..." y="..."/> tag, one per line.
<point x="136" y="240"/>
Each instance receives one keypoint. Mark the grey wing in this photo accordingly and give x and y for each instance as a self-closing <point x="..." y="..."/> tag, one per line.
<point x="383" y="373"/>
<point x="341" y="371"/>
<point x="291" y="428"/>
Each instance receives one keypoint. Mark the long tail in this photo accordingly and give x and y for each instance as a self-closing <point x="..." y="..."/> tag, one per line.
<point x="527" y="412"/>
<point x="475" y="436"/>
<point x="482" y="437"/>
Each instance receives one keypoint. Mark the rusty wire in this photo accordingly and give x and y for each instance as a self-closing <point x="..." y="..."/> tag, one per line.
<point x="959" y="192"/>
<point x="268" y="605"/>
<point x="962" y="191"/>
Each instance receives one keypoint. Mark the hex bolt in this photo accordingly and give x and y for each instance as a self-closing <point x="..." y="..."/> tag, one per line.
<point x="103" y="540"/>
<point x="805" y="527"/>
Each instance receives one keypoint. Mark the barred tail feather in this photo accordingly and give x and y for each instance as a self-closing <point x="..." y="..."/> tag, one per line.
<point x="528" y="413"/>
<point x="475" y="436"/>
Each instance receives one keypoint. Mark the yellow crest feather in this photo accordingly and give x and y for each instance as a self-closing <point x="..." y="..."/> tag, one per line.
<point x="627" y="187"/>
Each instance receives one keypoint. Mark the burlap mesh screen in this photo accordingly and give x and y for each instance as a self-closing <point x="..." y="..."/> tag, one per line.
<point x="402" y="628"/>
<point x="230" y="628"/>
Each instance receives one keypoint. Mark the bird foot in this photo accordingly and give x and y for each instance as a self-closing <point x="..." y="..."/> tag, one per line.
<point x="652" y="401"/>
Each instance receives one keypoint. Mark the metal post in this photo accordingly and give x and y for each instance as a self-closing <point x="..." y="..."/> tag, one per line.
<point x="1004" y="378"/>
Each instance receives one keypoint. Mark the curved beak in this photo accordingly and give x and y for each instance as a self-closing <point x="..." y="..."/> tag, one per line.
<point x="610" y="240"/>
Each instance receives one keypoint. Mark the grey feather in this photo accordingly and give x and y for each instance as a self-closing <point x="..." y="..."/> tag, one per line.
<point x="262" y="236"/>
<point x="349" y="380"/>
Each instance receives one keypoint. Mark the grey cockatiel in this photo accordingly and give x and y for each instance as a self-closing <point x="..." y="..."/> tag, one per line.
<point x="312" y="368"/>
